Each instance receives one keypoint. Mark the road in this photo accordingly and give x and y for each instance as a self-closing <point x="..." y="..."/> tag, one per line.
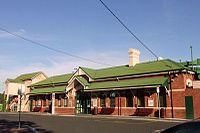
<point x="85" y="124"/>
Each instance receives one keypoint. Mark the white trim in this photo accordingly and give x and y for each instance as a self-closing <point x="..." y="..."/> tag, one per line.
<point x="168" y="108"/>
<point x="132" y="107"/>
<point x="72" y="80"/>
<point x="67" y="89"/>
<point x="177" y="90"/>
<point x="80" y="83"/>
<point x="176" y="108"/>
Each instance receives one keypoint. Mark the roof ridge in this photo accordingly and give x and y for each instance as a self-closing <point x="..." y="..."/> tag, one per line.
<point x="154" y="66"/>
<point x="147" y="62"/>
<point x="90" y="69"/>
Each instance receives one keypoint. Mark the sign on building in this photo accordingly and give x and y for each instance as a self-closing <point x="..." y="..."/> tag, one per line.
<point x="150" y="102"/>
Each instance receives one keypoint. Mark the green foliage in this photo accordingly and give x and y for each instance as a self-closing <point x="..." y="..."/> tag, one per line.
<point x="3" y="102"/>
<point x="1" y="98"/>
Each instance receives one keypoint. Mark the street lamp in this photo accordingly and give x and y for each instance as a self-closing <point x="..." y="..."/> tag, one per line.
<point x="20" y="93"/>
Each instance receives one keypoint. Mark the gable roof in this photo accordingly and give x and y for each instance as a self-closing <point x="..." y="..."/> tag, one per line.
<point x="140" y="68"/>
<point x="23" y="77"/>
<point x="64" y="78"/>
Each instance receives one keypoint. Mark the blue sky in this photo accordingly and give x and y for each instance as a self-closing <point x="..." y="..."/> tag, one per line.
<point x="87" y="29"/>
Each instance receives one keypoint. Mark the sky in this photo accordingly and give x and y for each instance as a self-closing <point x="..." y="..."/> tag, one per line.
<point x="87" y="29"/>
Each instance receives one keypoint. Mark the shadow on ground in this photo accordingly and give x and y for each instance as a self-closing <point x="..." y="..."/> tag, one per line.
<point x="7" y="126"/>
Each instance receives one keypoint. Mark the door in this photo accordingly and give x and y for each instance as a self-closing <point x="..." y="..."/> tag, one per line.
<point x="31" y="105"/>
<point x="189" y="107"/>
<point x="88" y="105"/>
<point x="79" y="103"/>
<point x="83" y="103"/>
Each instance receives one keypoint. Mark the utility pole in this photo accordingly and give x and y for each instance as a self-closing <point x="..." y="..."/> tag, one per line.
<point x="191" y="55"/>
<point x="20" y="104"/>
<point x="20" y="93"/>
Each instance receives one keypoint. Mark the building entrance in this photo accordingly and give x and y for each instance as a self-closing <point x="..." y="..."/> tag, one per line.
<point x="83" y="103"/>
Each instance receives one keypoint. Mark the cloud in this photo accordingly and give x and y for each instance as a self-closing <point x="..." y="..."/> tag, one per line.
<point x="6" y="35"/>
<point x="4" y="59"/>
<point x="63" y="64"/>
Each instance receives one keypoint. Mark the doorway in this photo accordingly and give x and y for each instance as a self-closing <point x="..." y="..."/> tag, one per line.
<point x="189" y="107"/>
<point x="31" y="105"/>
<point x="83" y="103"/>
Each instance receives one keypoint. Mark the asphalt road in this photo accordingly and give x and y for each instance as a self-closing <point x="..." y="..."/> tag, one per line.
<point x="77" y="124"/>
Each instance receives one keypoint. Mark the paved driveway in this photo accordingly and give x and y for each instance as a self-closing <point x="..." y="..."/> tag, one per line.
<point x="86" y="124"/>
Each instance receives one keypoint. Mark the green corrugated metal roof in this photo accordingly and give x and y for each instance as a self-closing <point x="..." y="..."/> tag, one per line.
<point x="153" y="81"/>
<point x="140" y="68"/>
<point x="23" y="77"/>
<point x="54" y="80"/>
<point x="47" y="90"/>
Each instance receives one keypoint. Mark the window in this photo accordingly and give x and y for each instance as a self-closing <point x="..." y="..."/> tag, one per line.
<point x="112" y="102"/>
<point x="162" y="101"/>
<point x="162" y="98"/>
<point x="15" y="108"/>
<point x="38" y="103"/>
<point x="140" y="101"/>
<point x="44" y="102"/>
<point x="103" y="101"/>
<point x="65" y="102"/>
<point x="59" y="101"/>
<point x="49" y="103"/>
<point x="129" y="101"/>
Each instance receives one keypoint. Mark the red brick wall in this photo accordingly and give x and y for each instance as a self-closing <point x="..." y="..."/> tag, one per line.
<point x="196" y="100"/>
<point x="179" y="91"/>
<point x="178" y="82"/>
<point x="65" y="110"/>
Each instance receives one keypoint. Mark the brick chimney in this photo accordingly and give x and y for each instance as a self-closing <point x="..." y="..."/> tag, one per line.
<point x="134" y="56"/>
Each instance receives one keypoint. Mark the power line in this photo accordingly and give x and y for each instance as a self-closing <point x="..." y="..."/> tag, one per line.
<point x="53" y="49"/>
<point x="122" y="23"/>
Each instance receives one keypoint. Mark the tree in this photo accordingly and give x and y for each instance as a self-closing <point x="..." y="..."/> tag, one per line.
<point x="3" y="101"/>
<point x="1" y="98"/>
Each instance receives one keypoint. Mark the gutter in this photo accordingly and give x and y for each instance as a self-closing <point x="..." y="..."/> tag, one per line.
<point x="125" y="88"/>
